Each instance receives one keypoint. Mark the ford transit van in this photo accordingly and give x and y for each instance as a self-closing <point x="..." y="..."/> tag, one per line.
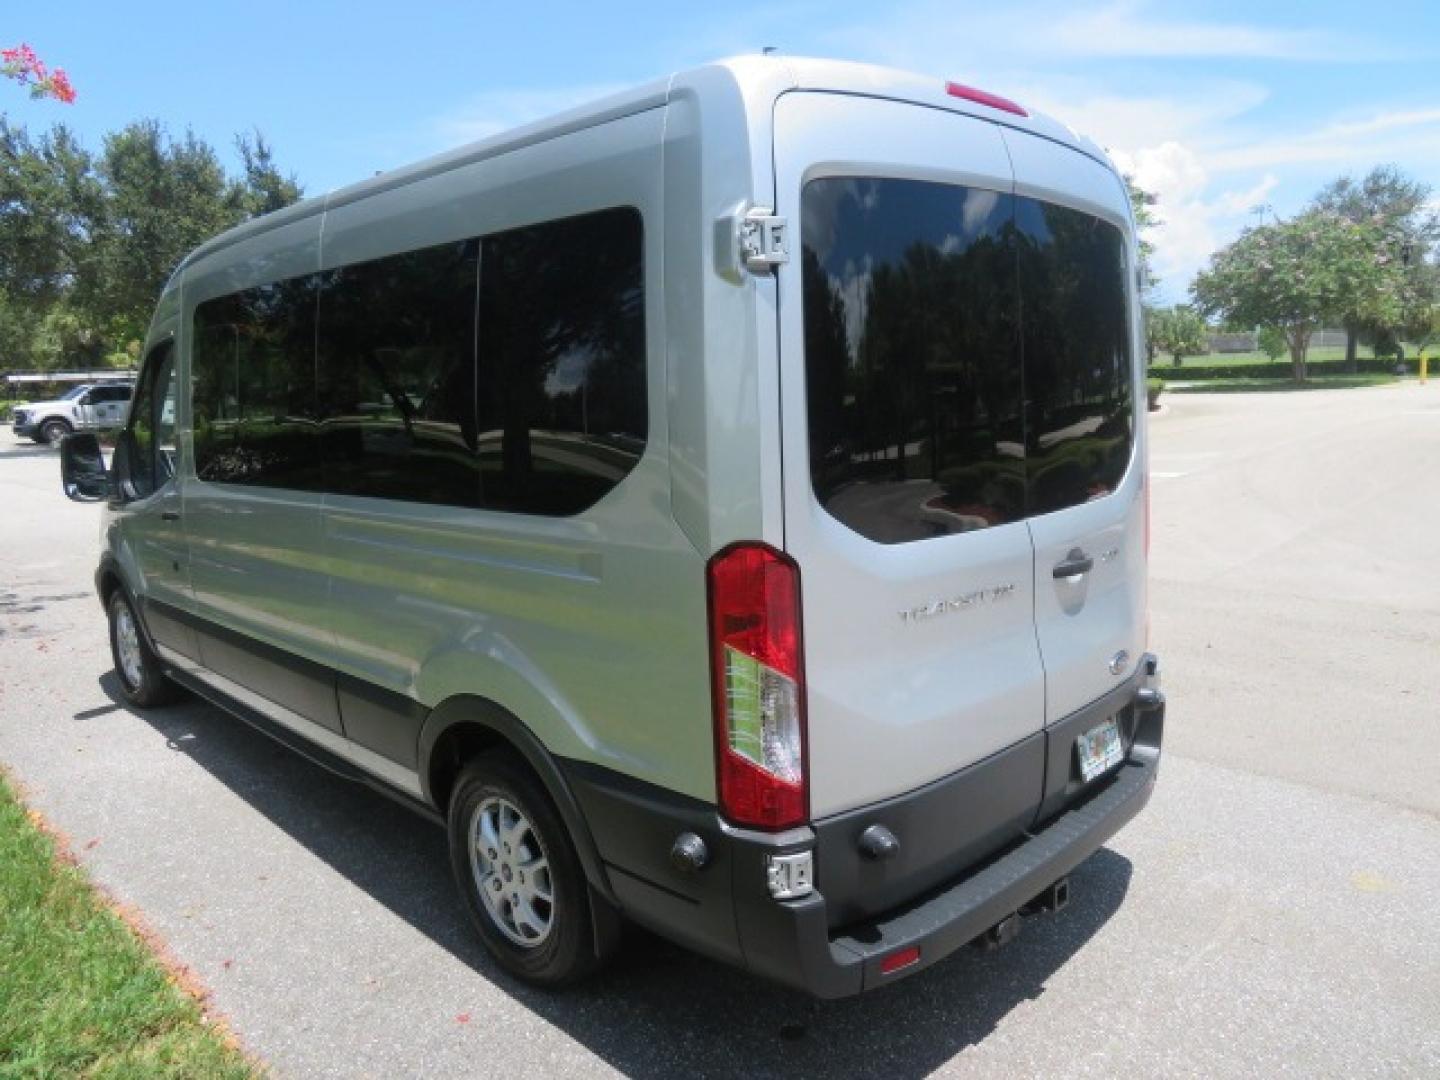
<point x="723" y="507"/>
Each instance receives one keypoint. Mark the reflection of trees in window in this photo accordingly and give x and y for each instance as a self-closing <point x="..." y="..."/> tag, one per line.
<point x="253" y="361"/>
<point x="915" y="294"/>
<point x="912" y="374"/>
<point x="554" y="420"/>
<point x="397" y="376"/>
<point x="562" y="361"/>
<point x="1077" y="354"/>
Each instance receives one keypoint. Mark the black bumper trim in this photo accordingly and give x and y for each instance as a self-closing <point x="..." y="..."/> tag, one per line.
<point x="725" y="910"/>
<point x="955" y="916"/>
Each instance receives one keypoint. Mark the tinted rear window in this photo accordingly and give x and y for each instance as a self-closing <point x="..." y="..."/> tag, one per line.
<point x="1078" y="372"/>
<point x="933" y="312"/>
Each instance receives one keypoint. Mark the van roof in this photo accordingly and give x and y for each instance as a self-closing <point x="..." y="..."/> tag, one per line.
<point x="759" y="80"/>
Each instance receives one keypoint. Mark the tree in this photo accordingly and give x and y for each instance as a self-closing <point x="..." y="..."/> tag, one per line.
<point x="163" y="197"/>
<point x="49" y="196"/>
<point x="1180" y="331"/>
<point x="1296" y="275"/>
<point x="264" y="188"/>
<point x="1142" y="207"/>
<point x="1397" y="206"/>
<point x="1271" y="341"/>
<point x="22" y="65"/>
<point x="87" y="241"/>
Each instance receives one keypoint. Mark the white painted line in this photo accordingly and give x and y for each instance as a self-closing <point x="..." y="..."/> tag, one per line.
<point x="1167" y="475"/>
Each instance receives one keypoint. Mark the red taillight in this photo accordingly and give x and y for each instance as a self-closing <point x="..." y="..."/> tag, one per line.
<point x="897" y="961"/>
<point x="758" y="681"/>
<point x="984" y="97"/>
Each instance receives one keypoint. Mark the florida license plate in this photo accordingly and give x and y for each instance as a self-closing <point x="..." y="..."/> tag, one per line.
<point x="1100" y="748"/>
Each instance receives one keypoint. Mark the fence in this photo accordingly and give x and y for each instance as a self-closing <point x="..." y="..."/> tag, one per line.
<point x="1244" y="341"/>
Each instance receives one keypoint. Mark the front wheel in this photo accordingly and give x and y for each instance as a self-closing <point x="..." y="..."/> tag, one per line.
<point x="142" y="680"/>
<point x="52" y="431"/>
<point x="519" y="875"/>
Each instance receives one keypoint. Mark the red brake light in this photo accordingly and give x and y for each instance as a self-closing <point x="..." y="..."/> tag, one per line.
<point x="758" y="682"/>
<point x="984" y="97"/>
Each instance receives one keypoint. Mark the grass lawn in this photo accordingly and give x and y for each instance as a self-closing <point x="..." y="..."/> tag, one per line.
<point x="1245" y="386"/>
<point x="80" y="993"/>
<point x="1164" y="360"/>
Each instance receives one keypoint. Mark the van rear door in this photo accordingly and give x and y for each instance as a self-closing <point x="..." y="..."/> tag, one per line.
<point x="1085" y="423"/>
<point x="902" y="444"/>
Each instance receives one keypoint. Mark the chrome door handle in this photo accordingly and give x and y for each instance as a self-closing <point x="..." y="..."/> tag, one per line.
<point x="1074" y="564"/>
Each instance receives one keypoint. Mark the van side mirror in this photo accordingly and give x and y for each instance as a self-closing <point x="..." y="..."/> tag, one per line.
<point x="82" y="468"/>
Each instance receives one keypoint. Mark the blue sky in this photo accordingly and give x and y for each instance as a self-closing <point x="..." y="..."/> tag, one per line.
<point x="1217" y="107"/>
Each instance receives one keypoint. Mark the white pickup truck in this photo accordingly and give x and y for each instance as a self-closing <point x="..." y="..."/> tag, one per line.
<point x="87" y="407"/>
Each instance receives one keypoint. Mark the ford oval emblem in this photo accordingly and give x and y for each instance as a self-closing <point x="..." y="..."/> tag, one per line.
<point x="1119" y="662"/>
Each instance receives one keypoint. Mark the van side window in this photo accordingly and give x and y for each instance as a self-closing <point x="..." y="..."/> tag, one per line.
<point x="1078" y="372"/>
<point x="523" y="390"/>
<point x="253" y="364"/>
<point x="562" y="395"/>
<point x="397" y="376"/>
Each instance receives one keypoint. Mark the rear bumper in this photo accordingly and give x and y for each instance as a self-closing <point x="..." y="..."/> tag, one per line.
<point x="725" y="910"/>
<point x="800" y="951"/>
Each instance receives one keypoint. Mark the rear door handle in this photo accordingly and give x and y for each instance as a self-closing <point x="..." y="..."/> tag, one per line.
<point x="1074" y="564"/>
<point x="170" y="515"/>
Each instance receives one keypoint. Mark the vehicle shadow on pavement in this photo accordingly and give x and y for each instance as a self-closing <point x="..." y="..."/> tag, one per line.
<point x="658" y="1010"/>
<point x="28" y="449"/>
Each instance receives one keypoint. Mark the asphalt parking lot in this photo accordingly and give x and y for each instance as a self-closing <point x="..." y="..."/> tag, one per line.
<point x="1272" y="912"/>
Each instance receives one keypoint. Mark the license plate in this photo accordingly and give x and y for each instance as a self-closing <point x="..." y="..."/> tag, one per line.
<point x="1100" y="748"/>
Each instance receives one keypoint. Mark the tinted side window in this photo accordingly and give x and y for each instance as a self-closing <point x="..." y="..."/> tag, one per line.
<point x="151" y="433"/>
<point x="1078" y="370"/>
<point x="109" y="393"/>
<point x="397" y="376"/>
<point x="562" y="394"/>
<point x="254" y="386"/>
<point x="913" y="376"/>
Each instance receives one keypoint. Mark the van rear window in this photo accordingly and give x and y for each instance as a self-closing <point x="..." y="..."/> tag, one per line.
<point x="967" y="356"/>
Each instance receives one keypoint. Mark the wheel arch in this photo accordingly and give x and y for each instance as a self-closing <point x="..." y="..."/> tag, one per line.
<point x="108" y="578"/>
<point x="467" y="724"/>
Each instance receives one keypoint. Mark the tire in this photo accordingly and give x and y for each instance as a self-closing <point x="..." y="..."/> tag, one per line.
<point x="142" y="680"/>
<point x="53" y="430"/>
<point x="564" y="953"/>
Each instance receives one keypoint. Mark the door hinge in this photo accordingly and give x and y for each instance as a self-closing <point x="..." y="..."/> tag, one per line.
<point x="764" y="240"/>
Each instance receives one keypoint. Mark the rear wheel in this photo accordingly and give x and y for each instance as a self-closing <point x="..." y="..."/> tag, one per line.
<point x="518" y="873"/>
<point x="52" y="431"/>
<point x="142" y="680"/>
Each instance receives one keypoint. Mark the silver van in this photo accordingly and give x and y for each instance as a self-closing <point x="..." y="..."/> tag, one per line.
<point x="724" y="507"/>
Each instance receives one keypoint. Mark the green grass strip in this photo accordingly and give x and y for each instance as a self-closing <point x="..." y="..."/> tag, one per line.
<point x="80" y="994"/>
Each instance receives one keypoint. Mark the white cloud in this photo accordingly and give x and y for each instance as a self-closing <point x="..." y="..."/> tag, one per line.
<point x="1379" y="137"/>
<point x="1190" y="220"/>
